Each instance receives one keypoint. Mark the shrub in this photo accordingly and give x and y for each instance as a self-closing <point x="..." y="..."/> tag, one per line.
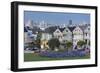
<point x="54" y="42"/>
<point x="38" y="40"/>
<point x="53" y="54"/>
<point x="81" y="43"/>
<point x="69" y="45"/>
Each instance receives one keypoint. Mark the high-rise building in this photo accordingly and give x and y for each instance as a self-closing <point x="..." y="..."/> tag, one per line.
<point x="70" y="22"/>
<point x="42" y="25"/>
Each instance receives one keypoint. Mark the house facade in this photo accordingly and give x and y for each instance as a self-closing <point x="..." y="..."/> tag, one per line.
<point x="77" y="35"/>
<point x="58" y="34"/>
<point x="67" y="35"/>
<point x="87" y="34"/>
<point x="46" y="36"/>
<point x="28" y="37"/>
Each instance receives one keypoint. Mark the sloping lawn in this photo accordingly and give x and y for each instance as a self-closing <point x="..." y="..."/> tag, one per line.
<point x="37" y="57"/>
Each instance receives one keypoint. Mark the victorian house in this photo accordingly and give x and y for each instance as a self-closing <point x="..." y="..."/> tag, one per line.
<point x="67" y="34"/>
<point x="77" y="35"/>
<point x="58" y="34"/>
<point x="87" y="34"/>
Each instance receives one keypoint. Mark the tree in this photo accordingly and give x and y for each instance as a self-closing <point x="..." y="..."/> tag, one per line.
<point x="38" y="40"/>
<point x="69" y="45"/>
<point x="81" y="43"/>
<point x="54" y="42"/>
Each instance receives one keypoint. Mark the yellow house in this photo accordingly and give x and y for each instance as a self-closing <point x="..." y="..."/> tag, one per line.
<point x="44" y="44"/>
<point x="44" y="40"/>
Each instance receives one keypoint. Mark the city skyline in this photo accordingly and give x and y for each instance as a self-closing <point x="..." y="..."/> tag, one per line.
<point x="56" y="17"/>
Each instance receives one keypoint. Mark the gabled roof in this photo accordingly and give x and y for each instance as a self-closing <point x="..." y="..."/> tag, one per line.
<point x="50" y="29"/>
<point x="28" y="28"/>
<point x="25" y="30"/>
<point x="71" y="28"/>
<point x="83" y="27"/>
<point x="61" y="29"/>
<point x="36" y="29"/>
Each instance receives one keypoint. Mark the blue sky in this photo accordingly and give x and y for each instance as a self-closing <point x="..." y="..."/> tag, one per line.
<point x="56" y="17"/>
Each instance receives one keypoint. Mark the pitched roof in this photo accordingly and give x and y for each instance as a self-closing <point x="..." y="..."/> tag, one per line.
<point x="36" y="29"/>
<point x="50" y="29"/>
<point x="61" y="29"/>
<point x="84" y="26"/>
<point x="25" y="30"/>
<point x="28" y="28"/>
<point x="71" y="28"/>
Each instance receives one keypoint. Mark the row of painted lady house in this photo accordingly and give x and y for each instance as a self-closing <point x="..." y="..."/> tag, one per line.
<point x="68" y="33"/>
<point x="73" y="34"/>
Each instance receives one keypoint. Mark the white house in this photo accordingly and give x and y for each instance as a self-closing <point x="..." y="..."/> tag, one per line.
<point x="44" y="40"/>
<point x="46" y="36"/>
<point x="77" y="35"/>
<point x="58" y="34"/>
<point x="72" y="33"/>
<point x="87" y="34"/>
<point x="67" y="34"/>
<point x="27" y="37"/>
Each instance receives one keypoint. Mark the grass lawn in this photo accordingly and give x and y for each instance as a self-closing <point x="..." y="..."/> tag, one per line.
<point x="36" y="57"/>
